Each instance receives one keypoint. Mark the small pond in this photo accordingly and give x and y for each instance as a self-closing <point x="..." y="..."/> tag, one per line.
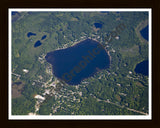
<point x="142" y="68"/>
<point x="43" y="37"/>
<point x="98" y="25"/>
<point x="37" y="44"/>
<point x="29" y="34"/>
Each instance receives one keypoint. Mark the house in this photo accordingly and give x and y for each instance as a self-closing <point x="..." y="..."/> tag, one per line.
<point x="25" y="70"/>
<point x="39" y="97"/>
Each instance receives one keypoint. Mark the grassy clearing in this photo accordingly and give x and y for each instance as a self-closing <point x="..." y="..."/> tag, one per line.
<point x="130" y="52"/>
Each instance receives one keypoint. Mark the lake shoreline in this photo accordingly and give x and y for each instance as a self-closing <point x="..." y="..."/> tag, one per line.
<point x="139" y="27"/>
<point x="72" y="76"/>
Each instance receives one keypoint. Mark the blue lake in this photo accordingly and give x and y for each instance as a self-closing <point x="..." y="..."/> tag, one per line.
<point x="37" y="44"/>
<point x="144" y="33"/>
<point x="98" y="25"/>
<point x="142" y="68"/>
<point x="78" y="62"/>
<point x="43" y="37"/>
<point x="29" y="34"/>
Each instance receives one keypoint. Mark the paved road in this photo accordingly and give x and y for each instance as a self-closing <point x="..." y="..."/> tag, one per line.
<point x="121" y="106"/>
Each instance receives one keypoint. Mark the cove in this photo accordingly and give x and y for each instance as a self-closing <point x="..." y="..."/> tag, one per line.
<point x="78" y="62"/>
<point x="142" y="68"/>
<point x="144" y="33"/>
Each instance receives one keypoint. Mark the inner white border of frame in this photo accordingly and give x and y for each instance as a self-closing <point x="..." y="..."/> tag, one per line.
<point x="79" y="117"/>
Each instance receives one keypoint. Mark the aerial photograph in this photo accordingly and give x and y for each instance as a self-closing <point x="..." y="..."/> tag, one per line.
<point x="93" y="63"/>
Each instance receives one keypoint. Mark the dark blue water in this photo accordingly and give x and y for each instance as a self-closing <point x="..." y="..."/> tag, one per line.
<point x="37" y="44"/>
<point x="142" y="68"/>
<point x="17" y="83"/>
<point x="78" y="62"/>
<point x="104" y="11"/>
<point x="29" y="34"/>
<point x="30" y="12"/>
<point x="43" y="37"/>
<point x="98" y="25"/>
<point x="144" y="33"/>
<point x="14" y="13"/>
